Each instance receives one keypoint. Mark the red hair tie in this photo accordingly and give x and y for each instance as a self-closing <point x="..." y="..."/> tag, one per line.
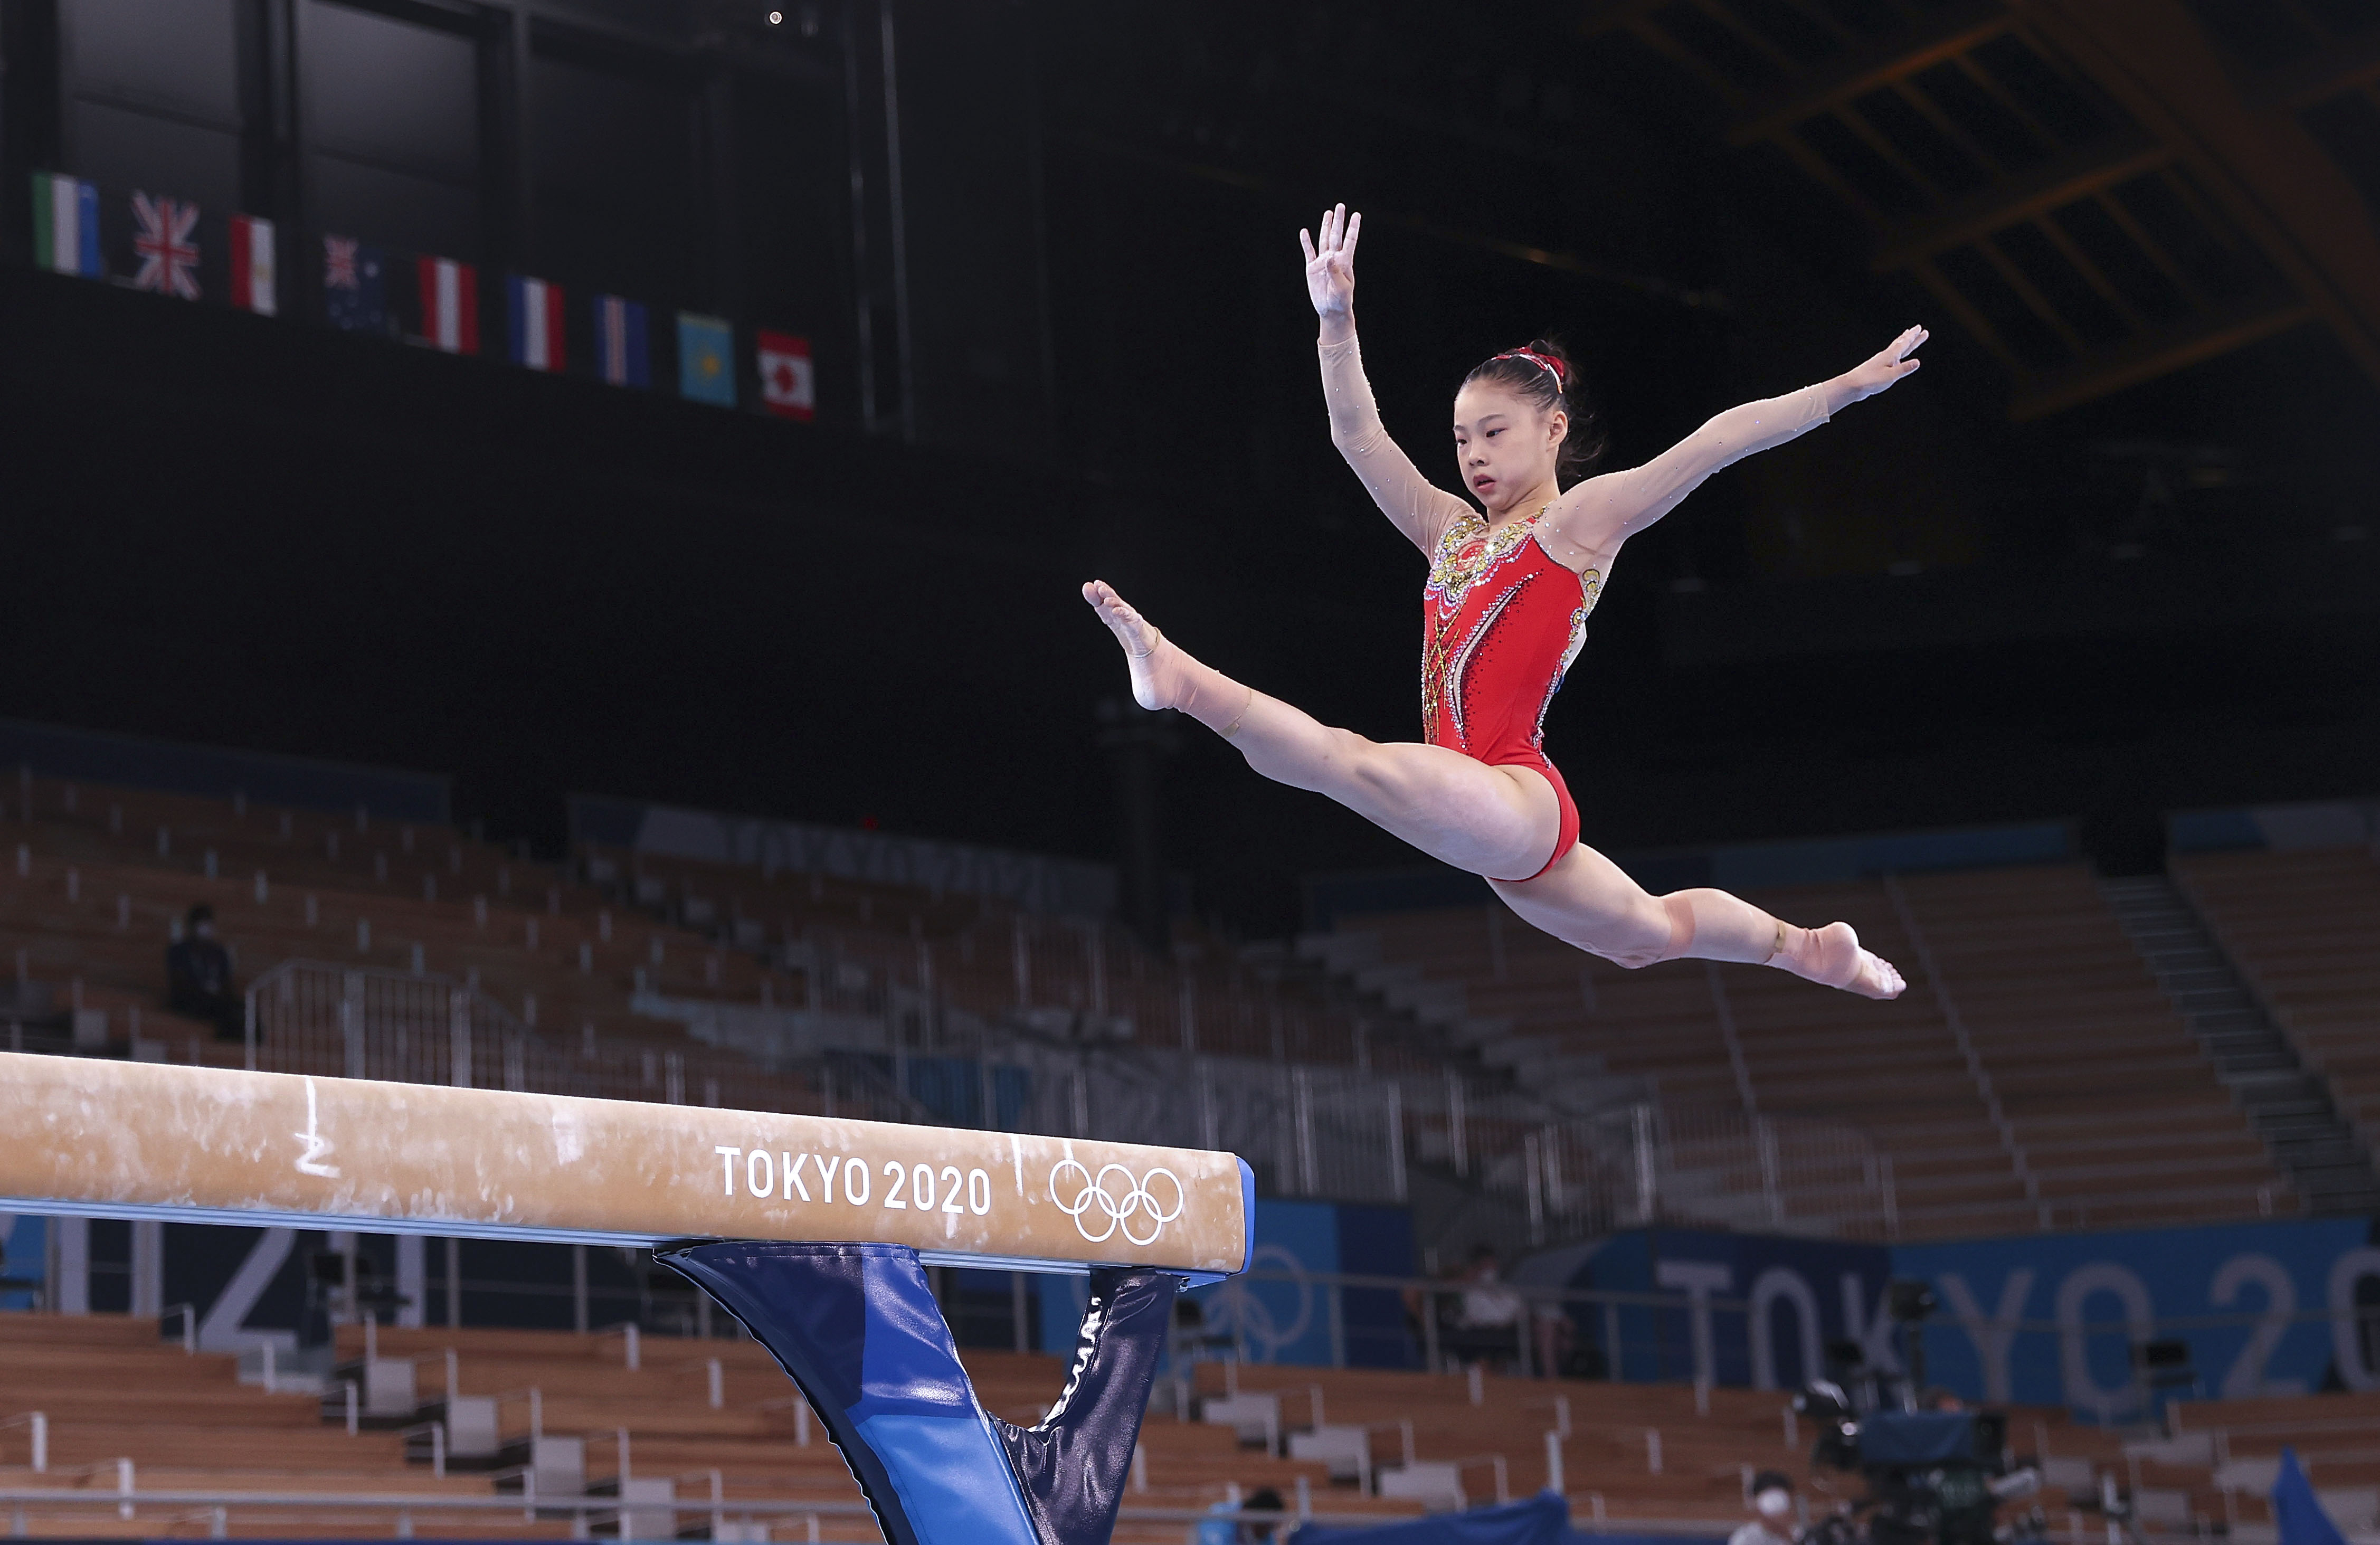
<point x="1545" y="362"/>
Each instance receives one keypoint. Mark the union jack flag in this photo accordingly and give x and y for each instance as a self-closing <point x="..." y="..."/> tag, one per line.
<point x="339" y="263"/>
<point x="166" y="245"/>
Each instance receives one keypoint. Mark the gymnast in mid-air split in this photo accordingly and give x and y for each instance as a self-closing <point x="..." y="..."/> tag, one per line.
<point x="1503" y="614"/>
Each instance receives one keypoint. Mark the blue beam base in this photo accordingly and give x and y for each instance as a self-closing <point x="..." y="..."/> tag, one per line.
<point x="857" y="1329"/>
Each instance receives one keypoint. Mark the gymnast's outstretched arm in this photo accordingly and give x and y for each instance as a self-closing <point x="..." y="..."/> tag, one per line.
<point x="1588" y="523"/>
<point x="1419" y="507"/>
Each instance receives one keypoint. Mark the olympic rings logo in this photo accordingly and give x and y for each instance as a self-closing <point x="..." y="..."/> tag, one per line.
<point x="1117" y="1213"/>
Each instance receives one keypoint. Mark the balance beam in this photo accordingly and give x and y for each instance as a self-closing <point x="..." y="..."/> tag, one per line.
<point x="112" y="1140"/>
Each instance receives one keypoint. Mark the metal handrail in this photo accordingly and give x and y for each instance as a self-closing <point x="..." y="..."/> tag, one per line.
<point x="534" y="1396"/>
<point x="587" y="1503"/>
<point x="39" y="1423"/>
<point x="631" y="1334"/>
<point x="1503" y="1473"/>
<point x="437" y="1431"/>
<point x="800" y="1406"/>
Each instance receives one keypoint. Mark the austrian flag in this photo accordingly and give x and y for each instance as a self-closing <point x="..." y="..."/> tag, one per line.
<point x="788" y="386"/>
<point x="450" y="305"/>
<point x="166" y="243"/>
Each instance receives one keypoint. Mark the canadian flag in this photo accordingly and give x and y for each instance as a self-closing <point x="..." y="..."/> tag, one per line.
<point x="788" y="388"/>
<point x="251" y="265"/>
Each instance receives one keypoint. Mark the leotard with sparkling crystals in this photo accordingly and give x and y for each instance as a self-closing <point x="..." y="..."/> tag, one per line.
<point x="1502" y="614"/>
<point x="1501" y="622"/>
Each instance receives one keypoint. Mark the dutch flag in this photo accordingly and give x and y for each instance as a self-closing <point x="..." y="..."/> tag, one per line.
<point x="450" y="305"/>
<point x="66" y="225"/>
<point x="622" y="356"/>
<point x="534" y="311"/>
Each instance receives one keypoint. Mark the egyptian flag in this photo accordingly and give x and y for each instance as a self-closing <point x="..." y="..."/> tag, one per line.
<point x="533" y="311"/>
<point x="450" y="305"/>
<point x="252" y="287"/>
<point x="623" y="355"/>
<point x="788" y="386"/>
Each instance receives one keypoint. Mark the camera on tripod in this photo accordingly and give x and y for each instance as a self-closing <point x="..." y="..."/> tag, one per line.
<point x="1934" y="1476"/>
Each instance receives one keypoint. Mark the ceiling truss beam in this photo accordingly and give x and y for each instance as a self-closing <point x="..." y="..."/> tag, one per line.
<point x="2154" y="354"/>
<point x="1879" y="64"/>
<point x="2061" y="180"/>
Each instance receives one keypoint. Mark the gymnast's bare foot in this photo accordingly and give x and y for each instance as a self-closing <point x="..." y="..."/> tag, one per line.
<point x="1832" y="956"/>
<point x="1158" y="679"/>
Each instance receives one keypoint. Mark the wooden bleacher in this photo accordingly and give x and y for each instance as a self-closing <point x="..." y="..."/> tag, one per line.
<point x="2301" y="927"/>
<point x="2036" y="1077"/>
<point x="112" y="1389"/>
<point x="107" y="873"/>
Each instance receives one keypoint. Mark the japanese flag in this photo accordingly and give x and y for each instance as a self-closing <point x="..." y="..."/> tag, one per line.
<point x="788" y="385"/>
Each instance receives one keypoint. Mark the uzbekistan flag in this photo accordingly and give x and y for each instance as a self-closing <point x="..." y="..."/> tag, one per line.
<point x="706" y="360"/>
<point x="788" y="386"/>
<point x="251" y="265"/>
<point x="66" y="225"/>
<point x="450" y="305"/>
<point x="622" y="356"/>
<point x="534" y="311"/>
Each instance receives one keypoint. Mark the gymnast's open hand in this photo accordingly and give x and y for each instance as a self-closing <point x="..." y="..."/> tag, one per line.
<point x="1865" y="381"/>
<point x="1331" y="267"/>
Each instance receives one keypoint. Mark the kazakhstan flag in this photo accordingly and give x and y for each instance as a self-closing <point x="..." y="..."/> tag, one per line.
<point x="706" y="360"/>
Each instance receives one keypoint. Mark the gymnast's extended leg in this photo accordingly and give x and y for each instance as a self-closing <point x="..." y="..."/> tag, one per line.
<point x="1490" y="820"/>
<point x="1486" y="819"/>
<point x="1587" y="901"/>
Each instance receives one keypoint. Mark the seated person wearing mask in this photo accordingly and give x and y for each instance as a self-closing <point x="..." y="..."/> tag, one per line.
<point x="1772" y="1511"/>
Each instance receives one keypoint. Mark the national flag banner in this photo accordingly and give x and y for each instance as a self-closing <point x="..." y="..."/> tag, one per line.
<point x="166" y="245"/>
<point x="788" y="386"/>
<point x="66" y="225"/>
<point x="533" y="312"/>
<point x="450" y="305"/>
<point x="354" y="286"/>
<point x="252" y="265"/>
<point x="622" y="354"/>
<point x="706" y="360"/>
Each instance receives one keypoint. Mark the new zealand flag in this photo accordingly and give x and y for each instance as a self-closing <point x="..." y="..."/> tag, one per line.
<point x="355" y="289"/>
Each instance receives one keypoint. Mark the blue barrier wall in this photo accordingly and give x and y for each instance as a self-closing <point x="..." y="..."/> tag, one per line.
<point x="1802" y="1293"/>
<point x="54" y="751"/>
<point x="1296" y="1320"/>
<point x="2264" y="1309"/>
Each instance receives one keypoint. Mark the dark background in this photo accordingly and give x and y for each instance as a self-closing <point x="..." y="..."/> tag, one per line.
<point x="1046" y="253"/>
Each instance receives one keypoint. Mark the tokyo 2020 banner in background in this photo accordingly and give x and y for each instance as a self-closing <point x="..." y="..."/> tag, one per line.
<point x="2264" y="1309"/>
<point x="2267" y="1307"/>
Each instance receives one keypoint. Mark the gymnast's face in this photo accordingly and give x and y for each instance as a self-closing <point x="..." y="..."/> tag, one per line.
<point x="1506" y="447"/>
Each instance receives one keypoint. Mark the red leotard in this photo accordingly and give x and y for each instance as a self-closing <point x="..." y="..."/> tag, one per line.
<point x="1501" y="622"/>
<point x="1500" y="619"/>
